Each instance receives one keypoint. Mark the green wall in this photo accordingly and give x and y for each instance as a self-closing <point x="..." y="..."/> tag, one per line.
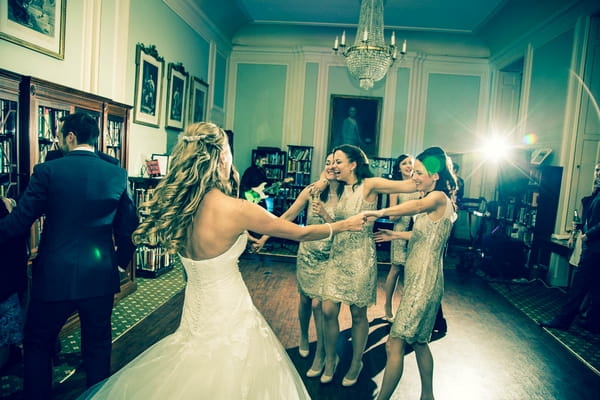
<point x="452" y="108"/>
<point x="400" y="112"/>
<point x="309" y="106"/>
<point x="548" y="93"/>
<point x="219" y="85"/>
<point x="259" y="105"/>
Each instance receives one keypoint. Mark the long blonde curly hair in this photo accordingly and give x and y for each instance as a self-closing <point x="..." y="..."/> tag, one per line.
<point x="194" y="170"/>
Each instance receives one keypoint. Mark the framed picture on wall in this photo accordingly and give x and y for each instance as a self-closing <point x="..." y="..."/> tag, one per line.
<point x="176" y="96"/>
<point x="355" y="120"/>
<point x="198" y="97"/>
<point x="37" y="25"/>
<point x="148" y="85"/>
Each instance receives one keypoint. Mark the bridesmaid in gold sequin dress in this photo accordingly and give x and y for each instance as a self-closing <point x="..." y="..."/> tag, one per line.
<point x="402" y="170"/>
<point x="351" y="275"/>
<point x="311" y="260"/>
<point x="423" y="273"/>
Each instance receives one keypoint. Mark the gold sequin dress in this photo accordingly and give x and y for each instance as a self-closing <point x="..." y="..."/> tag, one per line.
<point x="351" y="275"/>
<point x="423" y="277"/>
<point x="312" y="258"/>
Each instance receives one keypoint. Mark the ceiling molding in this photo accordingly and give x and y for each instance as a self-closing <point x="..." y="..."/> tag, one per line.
<point x="190" y="12"/>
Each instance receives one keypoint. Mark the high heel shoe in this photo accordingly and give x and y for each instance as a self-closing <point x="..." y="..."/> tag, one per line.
<point x="329" y="378"/>
<point x="351" y="382"/>
<point x="388" y="319"/>
<point x="313" y="373"/>
<point x="303" y="352"/>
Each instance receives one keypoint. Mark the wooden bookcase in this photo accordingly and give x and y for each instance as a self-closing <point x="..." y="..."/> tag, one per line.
<point x="113" y="138"/>
<point x="32" y="108"/>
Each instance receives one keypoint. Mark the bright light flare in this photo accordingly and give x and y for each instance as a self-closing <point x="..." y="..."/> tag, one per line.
<point x="495" y="148"/>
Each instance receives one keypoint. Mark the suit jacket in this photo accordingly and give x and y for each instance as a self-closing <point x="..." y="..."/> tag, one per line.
<point x="88" y="209"/>
<point x="590" y="218"/>
<point x="54" y="154"/>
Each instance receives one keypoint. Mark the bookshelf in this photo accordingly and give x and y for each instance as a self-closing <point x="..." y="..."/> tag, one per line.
<point x="275" y="169"/>
<point x="10" y="184"/>
<point x="113" y="138"/>
<point x="41" y="105"/>
<point x="527" y="207"/>
<point x="276" y="161"/>
<point x="149" y="261"/>
<point x="298" y="171"/>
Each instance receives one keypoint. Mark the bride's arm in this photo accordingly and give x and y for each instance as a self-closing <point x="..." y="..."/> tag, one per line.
<point x="255" y="218"/>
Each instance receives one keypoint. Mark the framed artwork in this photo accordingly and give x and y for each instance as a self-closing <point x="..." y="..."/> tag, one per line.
<point x="148" y="85"/>
<point x="37" y="25"/>
<point x="355" y="120"/>
<point x="198" y="97"/>
<point x="163" y="163"/>
<point x="176" y="95"/>
<point x="539" y="155"/>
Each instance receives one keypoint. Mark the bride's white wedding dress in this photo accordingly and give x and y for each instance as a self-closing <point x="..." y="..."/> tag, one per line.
<point x="223" y="348"/>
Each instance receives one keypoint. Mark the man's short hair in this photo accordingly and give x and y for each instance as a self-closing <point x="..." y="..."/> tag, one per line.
<point x="83" y="126"/>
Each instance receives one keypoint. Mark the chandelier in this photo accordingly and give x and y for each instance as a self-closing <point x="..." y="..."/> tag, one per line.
<point x="369" y="59"/>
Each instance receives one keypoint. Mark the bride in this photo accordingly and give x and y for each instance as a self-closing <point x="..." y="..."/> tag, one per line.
<point x="223" y="348"/>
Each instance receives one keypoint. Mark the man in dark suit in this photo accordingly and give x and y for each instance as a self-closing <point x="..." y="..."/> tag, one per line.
<point x="586" y="280"/>
<point x="88" y="210"/>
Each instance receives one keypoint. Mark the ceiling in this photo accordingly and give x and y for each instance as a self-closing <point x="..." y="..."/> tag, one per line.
<point x="458" y="16"/>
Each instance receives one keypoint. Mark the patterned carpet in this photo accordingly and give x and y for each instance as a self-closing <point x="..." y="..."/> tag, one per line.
<point x="540" y="302"/>
<point x="149" y="295"/>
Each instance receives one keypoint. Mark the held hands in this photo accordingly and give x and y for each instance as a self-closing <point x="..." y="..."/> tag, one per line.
<point x="256" y="244"/>
<point x="355" y="223"/>
<point x="372" y="215"/>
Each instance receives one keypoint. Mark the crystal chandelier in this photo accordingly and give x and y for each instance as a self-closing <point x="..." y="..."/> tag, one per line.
<point x="369" y="59"/>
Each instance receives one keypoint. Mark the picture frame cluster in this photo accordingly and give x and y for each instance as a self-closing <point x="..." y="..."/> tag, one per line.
<point x="186" y="97"/>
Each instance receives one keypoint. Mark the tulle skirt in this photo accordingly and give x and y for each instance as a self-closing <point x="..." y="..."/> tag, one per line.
<point x="247" y="364"/>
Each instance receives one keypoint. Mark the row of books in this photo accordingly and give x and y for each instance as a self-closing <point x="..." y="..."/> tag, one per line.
<point x="300" y="154"/>
<point x="8" y="117"/>
<point x="301" y="179"/>
<point x="48" y="121"/>
<point x="274" y="173"/>
<point x="113" y="133"/>
<point x="299" y="166"/>
<point x="275" y="158"/>
<point x="152" y="258"/>
<point x="6" y="159"/>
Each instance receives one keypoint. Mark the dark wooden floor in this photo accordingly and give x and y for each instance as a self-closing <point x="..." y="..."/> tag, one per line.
<point x="492" y="351"/>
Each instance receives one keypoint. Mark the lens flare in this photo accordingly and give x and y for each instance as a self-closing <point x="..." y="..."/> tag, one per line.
<point x="495" y="148"/>
<point x="530" y="138"/>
